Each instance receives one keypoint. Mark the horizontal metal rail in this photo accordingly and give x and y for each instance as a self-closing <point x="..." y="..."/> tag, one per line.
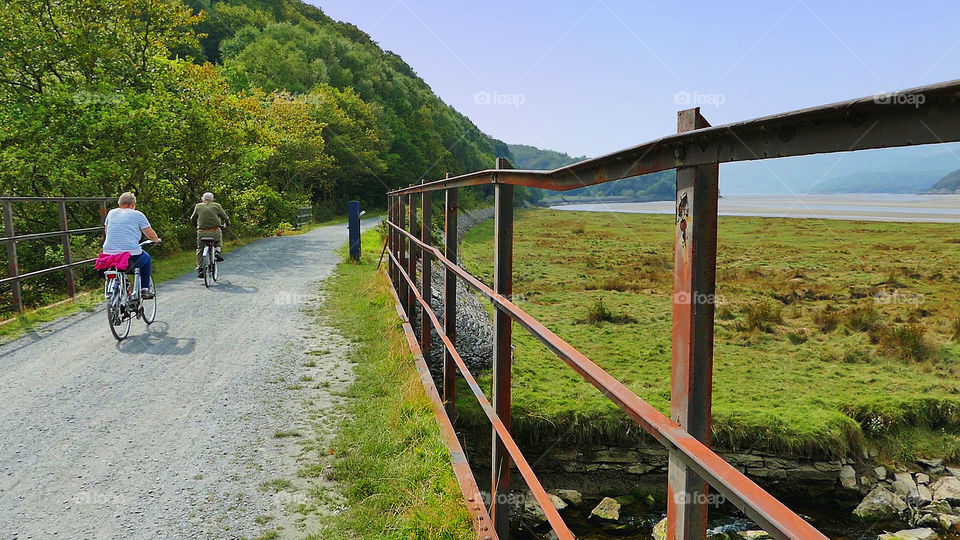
<point x="45" y="271"/>
<point x="40" y="236"/>
<point x="461" y="468"/>
<point x="10" y="240"/>
<point x="924" y="115"/>
<point x="54" y="199"/>
<point x="540" y="494"/>
<point x="757" y="504"/>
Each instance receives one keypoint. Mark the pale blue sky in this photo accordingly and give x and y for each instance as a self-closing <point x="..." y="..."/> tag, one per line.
<point x="594" y="76"/>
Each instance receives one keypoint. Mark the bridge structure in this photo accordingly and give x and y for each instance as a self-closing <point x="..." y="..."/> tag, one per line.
<point x="925" y="115"/>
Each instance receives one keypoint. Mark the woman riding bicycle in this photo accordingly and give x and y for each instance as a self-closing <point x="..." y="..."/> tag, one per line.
<point x="124" y="227"/>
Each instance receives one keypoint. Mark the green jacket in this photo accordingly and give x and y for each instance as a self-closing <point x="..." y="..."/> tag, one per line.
<point x="209" y="215"/>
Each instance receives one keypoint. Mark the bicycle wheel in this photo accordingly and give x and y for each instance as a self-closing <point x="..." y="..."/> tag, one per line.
<point x="216" y="269"/>
<point x="119" y="321"/>
<point x="206" y="274"/>
<point x="148" y="308"/>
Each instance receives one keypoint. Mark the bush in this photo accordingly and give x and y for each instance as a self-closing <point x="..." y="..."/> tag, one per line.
<point x="599" y="313"/>
<point x="827" y="320"/>
<point x="905" y="341"/>
<point x="763" y="315"/>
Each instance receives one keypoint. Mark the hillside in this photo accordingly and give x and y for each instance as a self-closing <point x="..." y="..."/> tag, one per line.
<point x="880" y="182"/>
<point x="948" y="184"/>
<point x="531" y="157"/>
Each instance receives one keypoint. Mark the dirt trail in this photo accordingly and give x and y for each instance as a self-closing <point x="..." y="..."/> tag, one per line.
<point x="185" y="428"/>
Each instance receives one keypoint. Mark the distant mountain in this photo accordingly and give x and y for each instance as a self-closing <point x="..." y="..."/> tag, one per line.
<point x="948" y="184"/>
<point x="531" y="157"/>
<point x="878" y="182"/>
<point x="888" y="170"/>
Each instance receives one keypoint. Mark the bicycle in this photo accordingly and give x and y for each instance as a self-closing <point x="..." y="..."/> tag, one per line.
<point x="124" y="302"/>
<point x="211" y="267"/>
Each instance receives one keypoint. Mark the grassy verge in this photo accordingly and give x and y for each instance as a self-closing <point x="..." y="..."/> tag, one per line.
<point x="391" y="460"/>
<point x="830" y="336"/>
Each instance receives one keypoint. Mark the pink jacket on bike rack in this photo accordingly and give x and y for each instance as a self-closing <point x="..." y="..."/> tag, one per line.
<point x="120" y="261"/>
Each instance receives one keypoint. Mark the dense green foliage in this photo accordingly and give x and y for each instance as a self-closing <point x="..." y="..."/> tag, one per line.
<point x="948" y="184"/>
<point x="269" y="104"/>
<point x="822" y="345"/>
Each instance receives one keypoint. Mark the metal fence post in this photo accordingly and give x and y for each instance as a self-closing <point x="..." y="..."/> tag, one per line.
<point x="12" y="256"/>
<point x="694" y="286"/>
<point x="62" y="214"/>
<point x="426" y="236"/>
<point x="412" y="259"/>
<point x="401" y="252"/>
<point x="450" y="301"/>
<point x="391" y="218"/>
<point x="502" y="349"/>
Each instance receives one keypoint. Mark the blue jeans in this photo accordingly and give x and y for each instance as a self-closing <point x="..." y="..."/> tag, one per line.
<point x="141" y="261"/>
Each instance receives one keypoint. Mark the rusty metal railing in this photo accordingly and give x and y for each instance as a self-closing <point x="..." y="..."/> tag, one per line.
<point x="899" y="119"/>
<point x="10" y="238"/>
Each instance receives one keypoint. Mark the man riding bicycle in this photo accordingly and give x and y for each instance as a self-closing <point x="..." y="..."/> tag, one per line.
<point x="209" y="217"/>
<point x="124" y="228"/>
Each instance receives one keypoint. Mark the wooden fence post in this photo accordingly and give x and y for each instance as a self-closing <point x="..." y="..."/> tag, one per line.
<point x="10" y="232"/>
<point x="67" y="259"/>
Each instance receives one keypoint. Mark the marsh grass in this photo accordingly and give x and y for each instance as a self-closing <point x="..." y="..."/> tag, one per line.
<point x="793" y="388"/>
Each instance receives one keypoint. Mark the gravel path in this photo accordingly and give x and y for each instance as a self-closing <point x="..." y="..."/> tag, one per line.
<point x="195" y="427"/>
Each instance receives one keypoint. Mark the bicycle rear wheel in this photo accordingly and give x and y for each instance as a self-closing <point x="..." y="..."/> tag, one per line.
<point x="216" y="269"/>
<point x="206" y="268"/>
<point x="149" y="307"/>
<point x="118" y="321"/>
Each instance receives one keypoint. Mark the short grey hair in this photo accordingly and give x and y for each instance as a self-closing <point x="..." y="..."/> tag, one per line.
<point x="127" y="198"/>
<point x="208" y="196"/>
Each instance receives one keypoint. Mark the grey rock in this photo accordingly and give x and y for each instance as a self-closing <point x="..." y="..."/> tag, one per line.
<point x="848" y="477"/>
<point x="532" y="510"/>
<point x="949" y="522"/>
<point x="947" y="488"/>
<point x="937" y="507"/>
<point x="925" y="494"/>
<point x="607" y="510"/>
<point x="922" y="478"/>
<point x="904" y="486"/>
<point x="911" y="534"/>
<point x="569" y="496"/>
<point x="878" y="504"/>
<point x="881" y="473"/>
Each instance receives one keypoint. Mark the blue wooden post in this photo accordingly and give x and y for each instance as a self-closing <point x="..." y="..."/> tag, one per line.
<point x="353" y="219"/>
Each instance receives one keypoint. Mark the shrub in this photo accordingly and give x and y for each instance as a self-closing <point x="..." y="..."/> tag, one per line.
<point x="599" y="313"/>
<point x="860" y="318"/>
<point x="906" y="341"/>
<point x="763" y="315"/>
<point x="827" y="320"/>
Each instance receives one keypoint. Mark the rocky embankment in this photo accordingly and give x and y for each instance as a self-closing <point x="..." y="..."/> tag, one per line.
<point x="474" y="329"/>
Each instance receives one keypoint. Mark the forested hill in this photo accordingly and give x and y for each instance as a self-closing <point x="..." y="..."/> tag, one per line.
<point x="270" y="104"/>
<point x="405" y="132"/>
<point x="948" y="184"/>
